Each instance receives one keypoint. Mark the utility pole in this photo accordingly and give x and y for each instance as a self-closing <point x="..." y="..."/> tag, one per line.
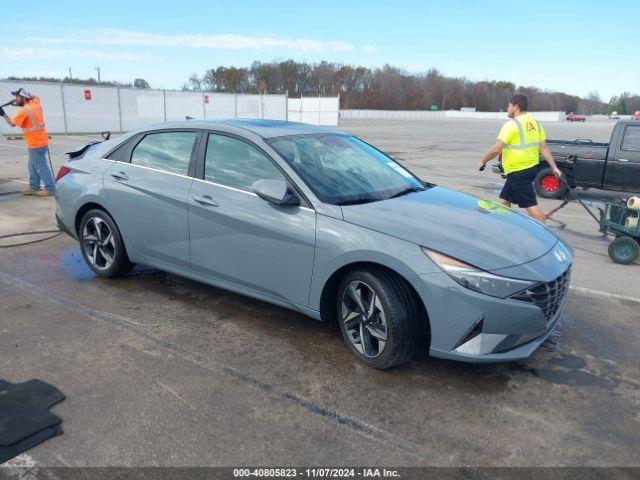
<point x="70" y="77"/>
<point x="98" y="70"/>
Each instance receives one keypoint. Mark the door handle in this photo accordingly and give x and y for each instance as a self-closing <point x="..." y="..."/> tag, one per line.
<point x="623" y="160"/>
<point x="206" y="200"/>
<point x="120" y="176"/>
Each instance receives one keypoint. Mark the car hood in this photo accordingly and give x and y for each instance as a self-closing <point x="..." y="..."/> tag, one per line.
<point x="481" y="233"/>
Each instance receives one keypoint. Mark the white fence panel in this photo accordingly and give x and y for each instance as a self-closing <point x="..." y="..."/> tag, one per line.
<point x="220" y="105"/>
<point x="140" y="108"/>
<point x="294" y="109"/>
<point x="249" y="106"/>
<point x="274" y="107"/>
<point x="91" y="109"/>
<point x="310" y="110"/>
<point x="310" y="104"/>
<point x="184" y="104"/>
<point x="314" y="110"/>
<point x="329" y="110"/>
<point x="549" y="116"/>
<point x="50" y="97"/>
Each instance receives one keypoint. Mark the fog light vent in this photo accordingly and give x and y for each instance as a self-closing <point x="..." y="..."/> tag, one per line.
<point x="474" y="332"/>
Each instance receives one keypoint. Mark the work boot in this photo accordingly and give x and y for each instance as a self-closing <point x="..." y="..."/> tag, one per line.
<point x="28" y="191"/>
<point x="44" y="193"/>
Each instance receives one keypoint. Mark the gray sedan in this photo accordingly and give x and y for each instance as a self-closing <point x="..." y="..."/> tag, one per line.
<point x="323" y="223"/>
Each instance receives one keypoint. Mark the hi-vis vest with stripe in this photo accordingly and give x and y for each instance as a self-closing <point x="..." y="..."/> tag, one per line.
<point x="32" y="126"/>
<point x="522" y="137"/>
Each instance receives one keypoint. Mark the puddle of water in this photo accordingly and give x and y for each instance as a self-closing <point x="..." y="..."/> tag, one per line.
<point x="73" y="263"/>
<point x="144" y="271"/>
<point x="572" y="362"/>
<point x="7" y="196"/>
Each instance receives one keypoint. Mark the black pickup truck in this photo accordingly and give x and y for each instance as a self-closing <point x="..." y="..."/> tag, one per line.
<point x="608" y="166"/>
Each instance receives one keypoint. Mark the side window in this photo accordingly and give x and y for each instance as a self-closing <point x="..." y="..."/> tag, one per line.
<point x="234" y="163"/>
<point x="631" y="140"/>
<point x="167" y="151"/>
<point x="123" y="152"/>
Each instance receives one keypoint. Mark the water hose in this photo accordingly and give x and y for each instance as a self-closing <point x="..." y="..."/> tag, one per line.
<point x="571" y="195"/>
<point x="21" y="234"/>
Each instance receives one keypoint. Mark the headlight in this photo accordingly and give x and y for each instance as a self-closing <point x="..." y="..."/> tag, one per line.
<point x="474" y="279"/>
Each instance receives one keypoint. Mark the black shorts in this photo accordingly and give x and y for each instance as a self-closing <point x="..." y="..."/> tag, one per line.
<point x="519" y="188"/>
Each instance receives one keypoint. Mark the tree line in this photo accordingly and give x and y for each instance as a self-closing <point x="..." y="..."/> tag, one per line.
<point x="391" y="88"/>
<point x="137" y="82"/>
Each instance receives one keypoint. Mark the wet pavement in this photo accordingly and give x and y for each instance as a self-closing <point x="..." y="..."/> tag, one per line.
<point x="161" y="370"/>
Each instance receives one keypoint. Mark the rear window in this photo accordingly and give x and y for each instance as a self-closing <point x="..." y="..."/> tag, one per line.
<point x="631" y="139"/>
<point x="167" y="151"/>
<point x="123" y="152"/>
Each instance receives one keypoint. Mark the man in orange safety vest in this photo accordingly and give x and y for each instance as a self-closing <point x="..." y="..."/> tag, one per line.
<point x="30" y="118"/>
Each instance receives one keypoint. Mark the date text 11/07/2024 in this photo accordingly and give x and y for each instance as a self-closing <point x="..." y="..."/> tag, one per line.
<point x="316" y="472"/>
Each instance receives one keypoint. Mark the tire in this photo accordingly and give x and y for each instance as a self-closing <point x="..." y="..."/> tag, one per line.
<point x="102" y="246"/>
<point x="395" y="307"/>
<point x="547" y="185"/>
<point x="624" y="250"/>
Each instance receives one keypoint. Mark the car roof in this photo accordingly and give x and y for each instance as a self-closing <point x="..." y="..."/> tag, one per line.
<point x="263" y="128"/>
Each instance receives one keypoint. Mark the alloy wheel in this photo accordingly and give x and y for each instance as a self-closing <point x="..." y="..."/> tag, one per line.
<point x="550" y="183"/>
<point x="364" y="319"/>
<point x="98" y="243"/>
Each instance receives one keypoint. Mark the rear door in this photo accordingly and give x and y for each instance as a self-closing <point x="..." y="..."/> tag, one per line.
<point x="623" y="166"/>
<point x="148" y="192"/>
<point x="238" y="237"/>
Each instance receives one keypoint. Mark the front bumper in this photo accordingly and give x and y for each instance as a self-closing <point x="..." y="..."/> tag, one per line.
<point x="518" y="352"/>
<point x="473" y="327"/>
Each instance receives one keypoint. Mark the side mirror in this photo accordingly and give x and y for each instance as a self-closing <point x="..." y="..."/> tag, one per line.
<point x="275" y="191"/>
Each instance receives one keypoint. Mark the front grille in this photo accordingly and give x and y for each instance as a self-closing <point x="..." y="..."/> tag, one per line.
<point x="547" y="296"/>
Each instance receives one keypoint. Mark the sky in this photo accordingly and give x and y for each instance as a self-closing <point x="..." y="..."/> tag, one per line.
<point x="563" y="45"/>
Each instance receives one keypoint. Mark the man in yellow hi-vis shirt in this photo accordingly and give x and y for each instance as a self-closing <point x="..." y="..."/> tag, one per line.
<point x="522" y="140"/>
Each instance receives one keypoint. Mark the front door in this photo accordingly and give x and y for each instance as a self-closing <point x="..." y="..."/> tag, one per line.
<point x="623" y="166"/>
<point x="148" y="196"/>
<point x="238" y="237"/>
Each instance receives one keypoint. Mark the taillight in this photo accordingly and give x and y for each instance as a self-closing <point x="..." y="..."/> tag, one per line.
<point x="62" y="172"/>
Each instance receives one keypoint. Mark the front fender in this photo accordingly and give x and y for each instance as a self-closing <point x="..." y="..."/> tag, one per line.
<point x="339" y="244"/>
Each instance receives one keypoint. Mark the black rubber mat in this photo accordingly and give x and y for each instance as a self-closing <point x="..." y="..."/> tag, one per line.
<point x="25" y="419"/>
<point x="15" y="449"/>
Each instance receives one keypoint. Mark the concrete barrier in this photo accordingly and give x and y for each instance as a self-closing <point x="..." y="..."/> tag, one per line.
<point x="428" y="114"/>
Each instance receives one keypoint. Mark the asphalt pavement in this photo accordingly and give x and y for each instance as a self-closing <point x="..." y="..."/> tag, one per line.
<point x="159" y="370"/>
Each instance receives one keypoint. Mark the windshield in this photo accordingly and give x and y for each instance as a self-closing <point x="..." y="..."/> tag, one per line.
<point x="343" y="170"/>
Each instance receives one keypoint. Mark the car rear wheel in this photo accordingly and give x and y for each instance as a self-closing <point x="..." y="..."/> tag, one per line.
<point x="102" y="246"/>
<point x="547" y="185"/>
<point x="379" y="318"/>
<point x="624" y="250"/>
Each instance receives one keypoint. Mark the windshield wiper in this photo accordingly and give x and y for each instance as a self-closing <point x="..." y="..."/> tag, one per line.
<point x="406" y="191"/>
<point x="358" y="201"/>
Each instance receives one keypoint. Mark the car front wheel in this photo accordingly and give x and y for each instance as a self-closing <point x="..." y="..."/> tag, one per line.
<point x="101" y="245"/>
<point x="379" y="318"/>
